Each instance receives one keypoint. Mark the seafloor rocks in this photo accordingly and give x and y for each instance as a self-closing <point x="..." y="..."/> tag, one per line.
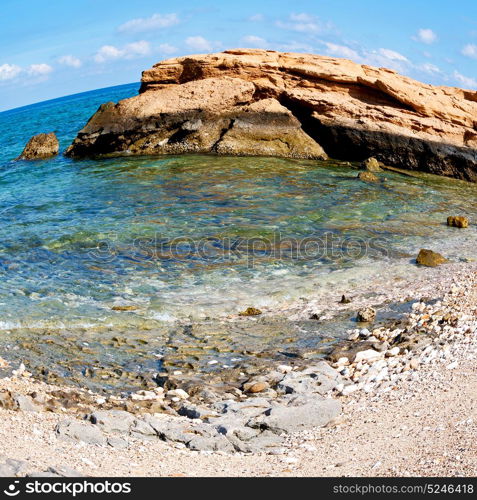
<point x="259" y="102"/>
<point x="430" y="258"/>
<point x="41" y="146"/>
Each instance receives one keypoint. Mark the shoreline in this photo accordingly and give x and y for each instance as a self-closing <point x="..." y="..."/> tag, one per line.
<point x="377" y="380"/>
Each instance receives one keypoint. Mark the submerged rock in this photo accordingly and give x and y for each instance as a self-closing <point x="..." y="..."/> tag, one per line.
<point x="263" y="102"/>
<point x="367" y="177"/>
<point x="366" y="315"/>
<point x="251" y="311"/>
<point x="41" y="146"/>
<point x="458" y="221"/>
<point x="429" y="258"/>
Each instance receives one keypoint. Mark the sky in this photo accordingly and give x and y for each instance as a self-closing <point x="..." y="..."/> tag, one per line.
<point x="61" y="47"/>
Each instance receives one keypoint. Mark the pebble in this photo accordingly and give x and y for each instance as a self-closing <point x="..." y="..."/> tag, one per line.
<point x="367" y="356"/>
<point x="284" y="368"/>
<point x="178" y="393"/>
<point x="414" y="363"/>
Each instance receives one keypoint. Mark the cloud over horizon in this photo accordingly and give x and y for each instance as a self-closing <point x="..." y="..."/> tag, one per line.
<point x="129" y="51"/>
<point x="155" y="22"/>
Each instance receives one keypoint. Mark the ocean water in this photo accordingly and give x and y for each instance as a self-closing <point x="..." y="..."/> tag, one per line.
<point x="137" y="247"/>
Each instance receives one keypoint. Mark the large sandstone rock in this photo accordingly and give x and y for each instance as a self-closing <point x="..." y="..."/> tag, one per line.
<point x="41" y="146"/>
<point x="261" y="102"/>
<point x="217" y="115"/>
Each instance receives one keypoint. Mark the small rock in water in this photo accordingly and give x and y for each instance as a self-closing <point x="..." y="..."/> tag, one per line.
<point x="458" y="221"/>
<point x="41" y="146"/>
<point x="251" y="311"/>
<point x="367" y="177"/>
<point x="123" y="308"/>
<point x="366" y="315"/>
<point x="429" y="258"/>
<point x="345" y="300"/>
<point x="371" y="165"/>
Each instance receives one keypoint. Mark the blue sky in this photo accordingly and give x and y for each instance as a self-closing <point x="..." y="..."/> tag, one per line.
<point x="60" y="47"/>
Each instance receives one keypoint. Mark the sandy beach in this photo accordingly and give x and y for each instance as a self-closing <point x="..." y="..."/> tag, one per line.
<point x="420" y="424"/>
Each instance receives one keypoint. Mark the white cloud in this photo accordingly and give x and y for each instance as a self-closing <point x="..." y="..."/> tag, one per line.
<point x="429" y="68"/>
<point x="426" y="35"/>
<point x="107" y="53"/>
<point x="466" y="81"/>
<point x="385" y="58"/>
<point x="39" y="69"/>
<point x="333" y="49"/>
<point x="155" y="22"/>
<point x="166" y="48"/>
<point x="69" y="60"/>
<point x="254" y="41"/>
<point x="9" y="71"/>
<point x="129" y="51"/>
<point x="256" y="18"/>
<point x="470" y="50"/>
<point x="199" y="43"/>
<point x="392" y="55"/>
<point x="141" y="48"/>
<point x="294" y="46"/>
<point x="303" y="23"/>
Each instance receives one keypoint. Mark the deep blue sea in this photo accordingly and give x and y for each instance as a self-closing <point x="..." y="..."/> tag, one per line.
<point x="98" y="247"/>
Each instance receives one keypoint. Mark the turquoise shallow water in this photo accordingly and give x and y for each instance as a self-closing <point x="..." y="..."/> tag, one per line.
<point x="191" y="237"/>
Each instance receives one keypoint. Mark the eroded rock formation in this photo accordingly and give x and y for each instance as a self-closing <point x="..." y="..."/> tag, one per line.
<point x="257" y="102"/>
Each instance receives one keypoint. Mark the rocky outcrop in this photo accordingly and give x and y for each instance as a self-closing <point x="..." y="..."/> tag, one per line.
<point x="297" y="105"/>
<point x="217" y="115"/>
<point x="41" y="146"/>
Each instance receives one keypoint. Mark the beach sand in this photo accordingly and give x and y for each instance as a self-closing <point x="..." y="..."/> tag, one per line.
<point x="424" y="425"/>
